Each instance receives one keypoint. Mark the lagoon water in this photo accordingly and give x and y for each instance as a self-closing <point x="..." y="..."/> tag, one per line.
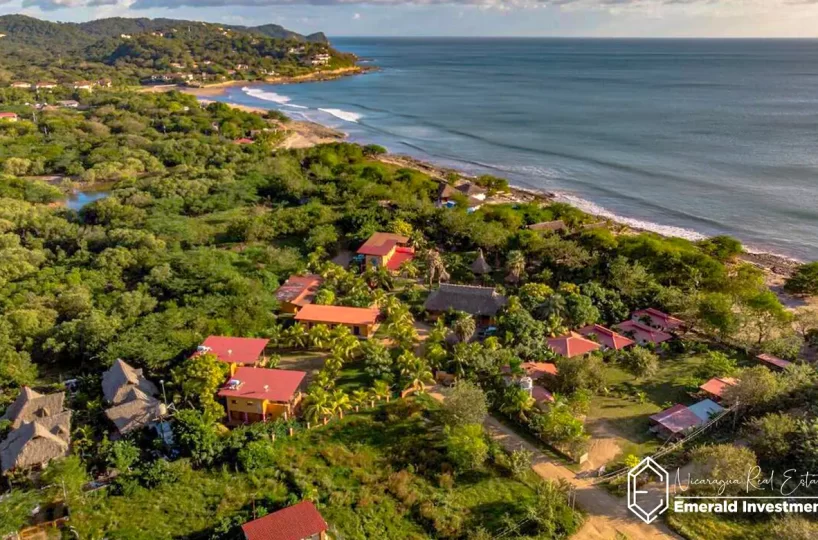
<point x="688" y="137"/>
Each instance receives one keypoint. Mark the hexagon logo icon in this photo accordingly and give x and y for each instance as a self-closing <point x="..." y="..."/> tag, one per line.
<point x="651" y="500"/>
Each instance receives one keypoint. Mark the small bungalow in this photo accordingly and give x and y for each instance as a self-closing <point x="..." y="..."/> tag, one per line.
<point x="259" y="394"/>
<point x="297" y="292"/>
<point x="706" y="409"/>
<point x="133" y="397"/>
<point x="9" y="117"/>
<point x="483" y="303"/>
<point x="362" y="321"/>
<point x="609" y="339"/>
<point x="236" y="351"/>
<point x="387" y="250"/>
<point x="84" y="85"/>
<point x="41" y="431"/>
<point x="549" y="226"/>
<point x="716" y="386"/>
<point x="297" y="522"/>
<point x="773" y="362"/>
<point x="243" y="140"/>
<point x="572" y="344"/>
<point x="448" y="196"/>
<point x="657" y="319"/>
<point x="480" y="267"/>
<point x="45" y="85"/>
<point x="20" y="84"/>
<point x="69" y="104"/>
<point x="642" y="333"/>
<point x="674" y="422"/>
<point x="472" y="190"/>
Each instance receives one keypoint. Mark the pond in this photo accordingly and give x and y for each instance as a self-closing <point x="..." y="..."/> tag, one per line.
<point x="79" y="199"/>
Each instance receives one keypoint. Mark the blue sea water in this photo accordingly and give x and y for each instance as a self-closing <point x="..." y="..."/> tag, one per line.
<point x="687" y="137"/>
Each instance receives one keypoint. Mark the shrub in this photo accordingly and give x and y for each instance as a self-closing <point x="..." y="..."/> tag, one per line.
<point x="804" y="280"/>
<point x="257" y="455"/>
<point x="465" y="404"/>
<point x="466" y="446"/>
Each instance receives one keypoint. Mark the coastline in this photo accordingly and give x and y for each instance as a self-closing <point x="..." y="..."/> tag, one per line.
<point x="306" y="134"/>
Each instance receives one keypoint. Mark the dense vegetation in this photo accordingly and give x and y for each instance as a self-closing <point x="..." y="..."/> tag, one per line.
<point x="132" y="51"/>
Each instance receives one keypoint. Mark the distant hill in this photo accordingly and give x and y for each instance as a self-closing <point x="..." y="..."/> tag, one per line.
<point x="65" y="37"/>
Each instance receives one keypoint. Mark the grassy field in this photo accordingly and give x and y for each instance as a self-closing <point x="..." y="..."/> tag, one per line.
<point x="378" y="474"/>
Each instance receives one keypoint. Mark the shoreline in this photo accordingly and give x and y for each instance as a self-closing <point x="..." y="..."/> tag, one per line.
<point x="777" y="267"/>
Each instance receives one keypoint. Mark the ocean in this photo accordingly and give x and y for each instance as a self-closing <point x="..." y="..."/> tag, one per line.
<point x="684" y="137"/>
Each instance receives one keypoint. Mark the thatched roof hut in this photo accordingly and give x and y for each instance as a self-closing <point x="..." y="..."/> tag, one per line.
<point x="138" y="410"/>
<point x="118" y="381"/>
<point x="480" y="266"/>
<point x="478" y="301"/>
<point x="556" y="225"/>
<point x="31" y="405"/>
<point x="36" y="443"/>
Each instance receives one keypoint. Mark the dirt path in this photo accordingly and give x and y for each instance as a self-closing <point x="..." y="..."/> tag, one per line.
<point x="608" y="516"/>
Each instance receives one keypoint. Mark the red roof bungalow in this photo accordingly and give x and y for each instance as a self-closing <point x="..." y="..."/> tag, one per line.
<point x="642" y="333"/>
<point x="606" y="337"/>
<point x="716" y="386"/>
<point x="244" y="140"/>
<point x="674" y="422"/>
<point x="259" y="394"/>
<point x="541" y="395"/>
<point x="774" y="362"/>
<point x="236" y="351"/>
<point x="386" y="249"/>
<point x="572" y="345"/>
<point x="657" y="319"/>
<point x="297" y="522"/>
<point x="538" y="370"/>
<point x="297" y="292"/>
<point x="362" y="321"/>
<point x="9" y="117"/>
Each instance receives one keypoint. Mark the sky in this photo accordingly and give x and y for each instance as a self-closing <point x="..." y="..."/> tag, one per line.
<point x="570" y="18"/>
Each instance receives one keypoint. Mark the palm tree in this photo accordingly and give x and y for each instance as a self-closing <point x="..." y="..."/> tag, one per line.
<point x="403" y="334"/>
<point x="379" y="277"/>
<point x="319" y="336"/>
<point x="414" y="370"/>
<point x="380" y="390"/>
<point x="340" y="402"/>
<point x="517" y="402"/>
<point x="326" y="379"/>
<point x="317" y="405"/>
<point x="275" y="333"/>
<point x="554" y="326"/>
<point x="359" y="397"/>
<point x="346" y="347"/>
<point x="334" y="363"/>
<point x="409" y="269"/>
<point x="464" y="327"/>
<point x="296" y="336"/>
<point x="515" y="265"/>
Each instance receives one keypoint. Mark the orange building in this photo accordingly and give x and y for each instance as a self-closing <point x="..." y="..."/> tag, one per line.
<point x="362" y="321"/>
<point x="387" y="250"/>
<point x="259" y="394"/>
<point x="297" y="292"/>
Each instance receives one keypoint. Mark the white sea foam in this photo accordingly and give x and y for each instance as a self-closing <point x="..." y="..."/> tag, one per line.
<point x="258" y="93"/>
<point x="595" y="209"/>
<point x="343" y="115"/>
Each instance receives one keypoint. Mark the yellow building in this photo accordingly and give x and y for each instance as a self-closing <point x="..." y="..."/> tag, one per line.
<point x="361" y="321"/>
<point x="258" y="394"/>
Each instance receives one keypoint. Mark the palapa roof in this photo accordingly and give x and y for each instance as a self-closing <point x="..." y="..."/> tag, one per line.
<point x="31" y="405"/>
<point x="483" y="301"/>
<point x="556" y="225"/>
<point x="381" y="243"/>
<point x="471" y="189"/>
<point x="299" y="290"/>
<point x="120" y="379"/>
<point x="480" y="266"/>
<point x="295" y="522"/>
<point x="135" y="412"/>
<point x="36" y="442"/>
<point x="606" y="336"/>
<point x="446" y="191"/>
<point x="572" y="344"/>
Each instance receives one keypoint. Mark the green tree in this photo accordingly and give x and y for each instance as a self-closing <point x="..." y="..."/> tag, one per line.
<point x="198" y="378"/>
<point x="465" y="403"/>
<point x="804" y="280"/>
<point x="639" y="362"/>
<point x="772" y="437"/>
<point x="716" y="364"/>
<point x="756" y="386"/>
<point x="723" y="464"/>
<point x="257" y="455"/>
<point x="466" y="446"/>
<point x="580" y="373"/>
<point x="464" y="327"/>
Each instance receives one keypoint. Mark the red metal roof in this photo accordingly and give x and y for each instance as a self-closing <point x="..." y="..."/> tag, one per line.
<point x="296" y="522"/>
<point x="540" y="394"/>
<point x="644" y="332"/>
<point x="775" y="361"/>
<point x="337" y="314"/>
<point x="535" y="370"/>
<point x="607" y="337"/>
<point x="236" y="349"/>
<point x="677" y="419"/>
<point x="716" y="385"/>
<point x="8" y="115"/>
<point x="278" y="385"/>
<point x="572" y="345"/>
<point x="381" y="243"/>
<point x="243" y="140"/>
<point x="299" y="290"/>
<point x="402" y="254"/>
<point x="659" y="319"/>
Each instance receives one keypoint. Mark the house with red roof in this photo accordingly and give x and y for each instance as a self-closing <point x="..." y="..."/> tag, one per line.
<point x="236" y="351"/>
<point x="243" y="140"/>
<point x="642" y="333"/>
<point x="297" y="292"/>
<point x="606" y="337"/>
<point x="572" y="344"/>
<point x="300" y="521"/>
<point x="773" y="362"/>
<point x="674" y="422"/>
<point x="538" y="370"/>
<point x="716" y="386"/>
<point x="260" y="394"/>
<point x="361" y="321"/>
<point x="386" y="250"/>
<point x="8" y="117"/>
<point x="541" y="395"/>
<point x="657" y="319"/>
